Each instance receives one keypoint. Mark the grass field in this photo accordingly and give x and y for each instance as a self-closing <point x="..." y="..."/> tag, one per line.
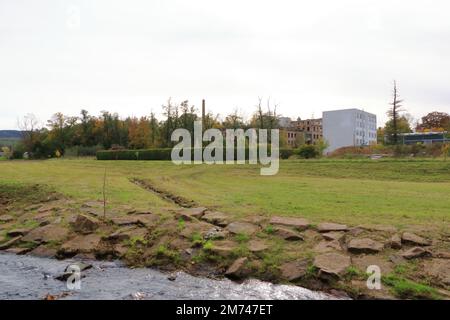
<point x="387" y="192"/>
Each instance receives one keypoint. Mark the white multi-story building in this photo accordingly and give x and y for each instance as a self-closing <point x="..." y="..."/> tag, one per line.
<point x="349" y="127"/>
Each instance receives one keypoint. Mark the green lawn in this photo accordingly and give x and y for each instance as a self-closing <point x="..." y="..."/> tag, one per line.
<point x="395" y="192"/>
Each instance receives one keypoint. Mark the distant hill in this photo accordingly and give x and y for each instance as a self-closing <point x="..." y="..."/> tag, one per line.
<point x="10" y="134"/>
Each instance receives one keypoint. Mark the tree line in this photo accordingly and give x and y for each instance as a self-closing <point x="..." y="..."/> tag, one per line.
<point x="87" y="133"/>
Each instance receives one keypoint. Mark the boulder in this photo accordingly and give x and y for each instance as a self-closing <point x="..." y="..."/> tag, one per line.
<point x="364" y="245"/>
<point x="287" y="234"/>
<point x="68" y="270"/>
<point x="411" y="238"/>
<point x="333" y="235"/>
<point x="256" y="246"/>
<point x="242" y="228"/>
<point x="332" y="265"/>
<point x="327" y="227"/>
<point x="46" y="233"/>
<point x="217" y="218"/>
<point x="187" y="214"/>
<point x="294" y="270"/>
<point x="84" y="224"/>
<point x="415" y="252"/>
<point x="327" y="246"/>
<point x="297" y="223"/>
<point x="237" y="270"/>
<point x="4" y="218"/>
<point x="395" y="242"/>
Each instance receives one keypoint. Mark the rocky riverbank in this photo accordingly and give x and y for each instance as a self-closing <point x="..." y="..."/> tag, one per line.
<point x="327" y="256"/>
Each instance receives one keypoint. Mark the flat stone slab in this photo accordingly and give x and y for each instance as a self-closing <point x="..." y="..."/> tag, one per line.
<point x="49" y="208"/>
<point x="242" y="228"/>
<point x="332" y="264"/>
<point x="333" y="235"/>
<point x="237" y="269"/>
<point x="126" y="233"/>
<point x="288" y="234"/>
<point x="198" y="227"/>
<point x="125" y="221"/>
<point x="294" y="270"/>
<point x="327" y="227"/>
<point x="364" y="245"/>
<point x="257" y="246"/>
<point x="148" y="220"/>
<point x="47" y="233"/>
<point x="43" y="252"/>
<point x="217" y="218"/>
<point x="10" y="243"/>
<point x="18" y="251"/>
<point x="33" y="207"/>
<point x="18" y="232"/>
<point x="416" y="252"/>
<point x="297" y="223"/>
<point x="327" y="246"/>
<point x="96" y="212"/>
<point x="85" y="224"/>
<point x="80" y="244"/>
<point x="439" y="269"/>
<point x="411" y="238"/>
<point x="381" y="228"/>
<point x="188" y="214"/>
<point x="223" y="248"/>
<point x="6" y="218"/>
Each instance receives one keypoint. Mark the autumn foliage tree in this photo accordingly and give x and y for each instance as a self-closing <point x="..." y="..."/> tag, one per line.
<point x="435" y="121"/>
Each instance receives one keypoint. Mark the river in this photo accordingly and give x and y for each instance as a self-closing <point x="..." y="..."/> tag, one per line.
<point x="27" y="277"/>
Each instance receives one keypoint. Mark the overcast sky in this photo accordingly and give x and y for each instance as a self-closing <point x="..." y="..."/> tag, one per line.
<point x="308" y="56"/>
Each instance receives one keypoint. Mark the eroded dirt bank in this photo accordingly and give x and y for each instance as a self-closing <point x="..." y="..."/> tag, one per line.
<point x="328" y="256"/>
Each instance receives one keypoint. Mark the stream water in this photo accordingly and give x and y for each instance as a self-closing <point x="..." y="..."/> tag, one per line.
<point x="27" y="277"/>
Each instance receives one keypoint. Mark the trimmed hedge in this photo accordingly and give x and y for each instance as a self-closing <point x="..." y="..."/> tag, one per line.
<point x="162" y="154"/>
